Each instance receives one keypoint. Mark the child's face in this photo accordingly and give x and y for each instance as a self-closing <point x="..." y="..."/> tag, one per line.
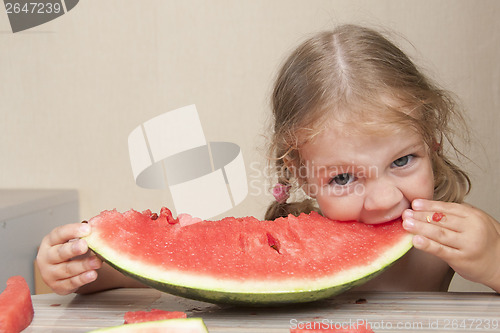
<point x="366" y="177"/>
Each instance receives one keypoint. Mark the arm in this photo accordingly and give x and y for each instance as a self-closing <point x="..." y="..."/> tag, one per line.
<point x="466" y="238"/>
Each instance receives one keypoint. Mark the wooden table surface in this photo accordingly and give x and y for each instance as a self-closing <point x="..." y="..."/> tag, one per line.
<point x="386" y="312"/>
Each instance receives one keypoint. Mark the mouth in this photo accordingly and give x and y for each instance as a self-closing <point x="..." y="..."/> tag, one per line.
<point x="388" y="220"/>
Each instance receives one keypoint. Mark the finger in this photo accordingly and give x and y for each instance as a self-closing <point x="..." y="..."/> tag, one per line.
<point x="68" y="286"/>
<point x="64" y="252"/>
<point x="433" y="231"/>
<point x="443" y="218"/>
<point x="448" y="208"/>
<point x="447" y="221"/>
<point x="64" y="233"/>
<point x="435" y="248"/>
<point x="429" y="216"/>
<point x="75" y="267"/>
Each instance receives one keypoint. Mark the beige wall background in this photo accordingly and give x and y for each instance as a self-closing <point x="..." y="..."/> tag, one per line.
<point x="72" y="90"/>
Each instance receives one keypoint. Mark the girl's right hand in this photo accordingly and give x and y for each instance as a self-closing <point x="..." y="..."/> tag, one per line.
<point x="65" y="261"/>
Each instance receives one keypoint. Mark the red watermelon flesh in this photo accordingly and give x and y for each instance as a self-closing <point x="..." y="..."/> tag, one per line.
<point x="155" y="314"/>
<point x="16" y="307"/>
<point x="245" y="257"/>
<point x="176" y="325"/>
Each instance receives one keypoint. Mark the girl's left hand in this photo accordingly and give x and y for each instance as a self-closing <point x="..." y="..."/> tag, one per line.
<point x="466" y="238"/>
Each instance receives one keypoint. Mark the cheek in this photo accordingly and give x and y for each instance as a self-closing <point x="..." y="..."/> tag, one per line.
<point x="341" y="209"/>
<point x="429" y="185"/>
<point x="423" y="187"/>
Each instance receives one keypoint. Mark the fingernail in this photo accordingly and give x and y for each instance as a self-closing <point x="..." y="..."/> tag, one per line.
<point x="417" y="204"/>
<point x="84" y="229"/>
<point x="90" y="276"/>
<point x="77" y="246"/>
<point x="408" y="223"/>
<point x="407" y="213"/>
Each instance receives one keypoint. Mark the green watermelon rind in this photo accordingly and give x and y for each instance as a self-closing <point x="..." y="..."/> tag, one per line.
<point x="181" y="323"/>
<point x="247" y="292"/>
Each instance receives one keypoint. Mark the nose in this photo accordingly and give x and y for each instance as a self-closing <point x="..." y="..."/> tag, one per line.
<point x="382" y="195"/>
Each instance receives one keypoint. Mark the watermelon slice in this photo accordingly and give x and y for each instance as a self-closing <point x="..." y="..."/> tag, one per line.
<point x="244" y="260"/>
<point x="16" y="307"/>
<point x="132" y="317"/>
<point x="184" y="325"/>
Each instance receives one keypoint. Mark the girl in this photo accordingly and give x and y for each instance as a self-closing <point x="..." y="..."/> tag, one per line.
<point x="363" y="132"/>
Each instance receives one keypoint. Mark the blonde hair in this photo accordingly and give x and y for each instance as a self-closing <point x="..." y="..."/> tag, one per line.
<point x="356" y="75"/>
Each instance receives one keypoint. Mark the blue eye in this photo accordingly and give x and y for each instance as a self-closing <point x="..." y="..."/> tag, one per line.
<point x="402" y="161"/>
<point x="342" y="179"/>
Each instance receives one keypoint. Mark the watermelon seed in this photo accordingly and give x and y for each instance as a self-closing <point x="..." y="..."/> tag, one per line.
<point x="154" y="216"/>
<point x="273" y="242"/>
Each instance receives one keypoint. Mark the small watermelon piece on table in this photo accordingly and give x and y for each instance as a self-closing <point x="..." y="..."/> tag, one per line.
<point x="132" y="317"/>
<point x="16" y="307"/>
<point x="244" y="260"/>
<point x="179" y="325"/>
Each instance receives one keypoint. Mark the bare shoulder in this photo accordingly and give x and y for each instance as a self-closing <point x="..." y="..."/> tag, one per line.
<point x="416" y="271"/>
